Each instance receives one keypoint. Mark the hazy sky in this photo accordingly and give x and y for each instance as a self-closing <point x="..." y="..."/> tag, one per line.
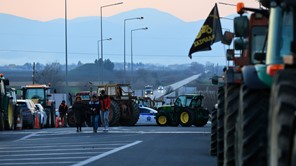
<point x="44" y="10"/>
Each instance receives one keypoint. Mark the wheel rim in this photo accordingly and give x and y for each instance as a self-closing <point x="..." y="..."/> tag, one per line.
<point x="184" y="117"/>
<point x="162" y="120"/>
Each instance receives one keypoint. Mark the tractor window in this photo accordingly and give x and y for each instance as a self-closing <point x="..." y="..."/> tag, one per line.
<point x="258" y="38"/>
<point x="195" y="103"/>
<point x="126" y="90"/>
<point x="287" y="34"/>
<point x="111" y="91"/>
<point x="180" y="101"/>
<point x="188" y="101"/>
<point x="35" y="94"/>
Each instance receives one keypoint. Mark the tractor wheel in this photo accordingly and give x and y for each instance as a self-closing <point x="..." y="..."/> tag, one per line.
<point x="114" y="113"/>
<point x="204" y="114"/>
<point x="53" y="117"/>
<point x="282" y="120"/>
<point x="9" y="121"/>
<point x="213" y="150"/>
<point x="133" y="117"/>
<point x="71" y="119"/>
<point x="220" y="126"/>
<point x="251" y="134"/>
<point x="1" y="120"/>
<point x="162" y="119"/>
<point x="186" y="118"/>
<point x="135" y="114"/>
<point x="231" y="112"/>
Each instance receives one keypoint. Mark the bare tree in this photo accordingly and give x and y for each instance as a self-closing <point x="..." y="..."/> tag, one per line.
<point x="50" y="74"/>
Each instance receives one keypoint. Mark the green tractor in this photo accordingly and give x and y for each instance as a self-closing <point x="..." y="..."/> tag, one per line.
<point x="187" y="111"/>
<point x="7" y="105"/>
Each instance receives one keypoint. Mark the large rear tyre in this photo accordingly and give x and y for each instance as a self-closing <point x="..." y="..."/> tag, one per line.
<point x="231" y="112"/>
<point x="9" y="118"/>
<point x="186" y="118"/>
<point x="71" y="119"/>
<point x="251" y="134"/>
<point x="213" y="150"/>
<point x="135" y="114"/>
<point x="114" y="114"/>
<point x="282" y="120"/>
<point x="1" y="120"/>
<point x="220" y="126"/>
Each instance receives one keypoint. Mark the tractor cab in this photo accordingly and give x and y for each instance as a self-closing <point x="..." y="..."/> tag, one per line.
<point x="189" y="101"/>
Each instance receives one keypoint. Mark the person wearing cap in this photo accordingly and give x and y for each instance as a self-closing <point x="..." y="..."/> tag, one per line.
<point x="63" y="110"/>
<point x="78" y="108"/>
<point x="105" y="106"/>
<point x="94" y="109"/>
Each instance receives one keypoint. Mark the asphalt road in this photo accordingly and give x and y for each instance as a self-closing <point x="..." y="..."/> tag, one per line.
<point x="124" y="146"/>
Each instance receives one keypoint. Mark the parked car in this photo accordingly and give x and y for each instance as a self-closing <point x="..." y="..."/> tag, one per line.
<point x="147" y="116"/>
<point x="41" y="115"/>
<point x="28" y="111"/>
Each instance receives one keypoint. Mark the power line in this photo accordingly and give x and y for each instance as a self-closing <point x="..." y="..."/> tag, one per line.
<point x="114" y="54"/>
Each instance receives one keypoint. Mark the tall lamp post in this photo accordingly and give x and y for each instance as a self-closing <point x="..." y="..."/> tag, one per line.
<point x="132" y="65"/>
<point x="101" y="11"/>
<point x="99" y="54"/>
<point x="66" y="47"/>
<point x="124" y="40"/>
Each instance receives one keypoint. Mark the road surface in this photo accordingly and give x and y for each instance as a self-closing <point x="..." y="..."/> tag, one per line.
<point x="124" y="146"/>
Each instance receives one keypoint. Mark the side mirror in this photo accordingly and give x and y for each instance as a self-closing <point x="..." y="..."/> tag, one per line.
<point x="241" y="26"/>
<point x="227" y="37"/>
<point x="215" y="80"/>
<point x="230" y="54"/>
<point x="240" y="44"/>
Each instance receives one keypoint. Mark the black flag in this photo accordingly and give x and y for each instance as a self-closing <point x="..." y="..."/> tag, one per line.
<point x="209" y="33"/>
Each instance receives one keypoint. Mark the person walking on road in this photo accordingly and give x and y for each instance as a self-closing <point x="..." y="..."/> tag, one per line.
<point x="105" y="106"/>
<point x="94" y="109"/>
<point x="63" y="109"/>
<point x="78" y="108"/>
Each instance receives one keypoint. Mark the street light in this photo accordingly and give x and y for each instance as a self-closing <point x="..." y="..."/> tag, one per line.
<point x="124" y="54"/>
<point x="99" y="54"/>
<point x="101" y="11"/>
<point x="138" y="29"/>
<point x="66" y="47"/>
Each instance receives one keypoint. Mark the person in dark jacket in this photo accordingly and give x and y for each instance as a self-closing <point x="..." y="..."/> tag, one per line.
<point x="63" y="109"/>
<point x="105" y="106"/>
<point x="94" y="109"/>
<point x="78" y="108"/>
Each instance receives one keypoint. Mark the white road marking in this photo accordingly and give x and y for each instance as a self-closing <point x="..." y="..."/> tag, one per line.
<point x="47" y="158"/>
<point x="39" y="163"/>
<point x="26" y="137"/>
<point x="47" y="154"/>
<point x="92" y="159"/>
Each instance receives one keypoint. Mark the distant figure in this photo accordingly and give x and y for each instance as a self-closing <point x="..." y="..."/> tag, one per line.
<point x="94" y="109"/>
<point x="105" y="106"/>
<point x="70" y="98"/>
<point x="63" y="109"/>
<point x="78" y="108"/>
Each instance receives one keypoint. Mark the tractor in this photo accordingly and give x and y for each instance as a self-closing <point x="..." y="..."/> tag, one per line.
<point x="187" y="111"/>
<point x="124" y="108"/>
<point x="244" y="94"/>
<point x="40" y="93"/>
<point x="7" y="105"/>
<point x="281" y="65"/>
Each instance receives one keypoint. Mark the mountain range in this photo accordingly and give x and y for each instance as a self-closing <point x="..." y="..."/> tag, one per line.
<point x="167" y="40"/>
